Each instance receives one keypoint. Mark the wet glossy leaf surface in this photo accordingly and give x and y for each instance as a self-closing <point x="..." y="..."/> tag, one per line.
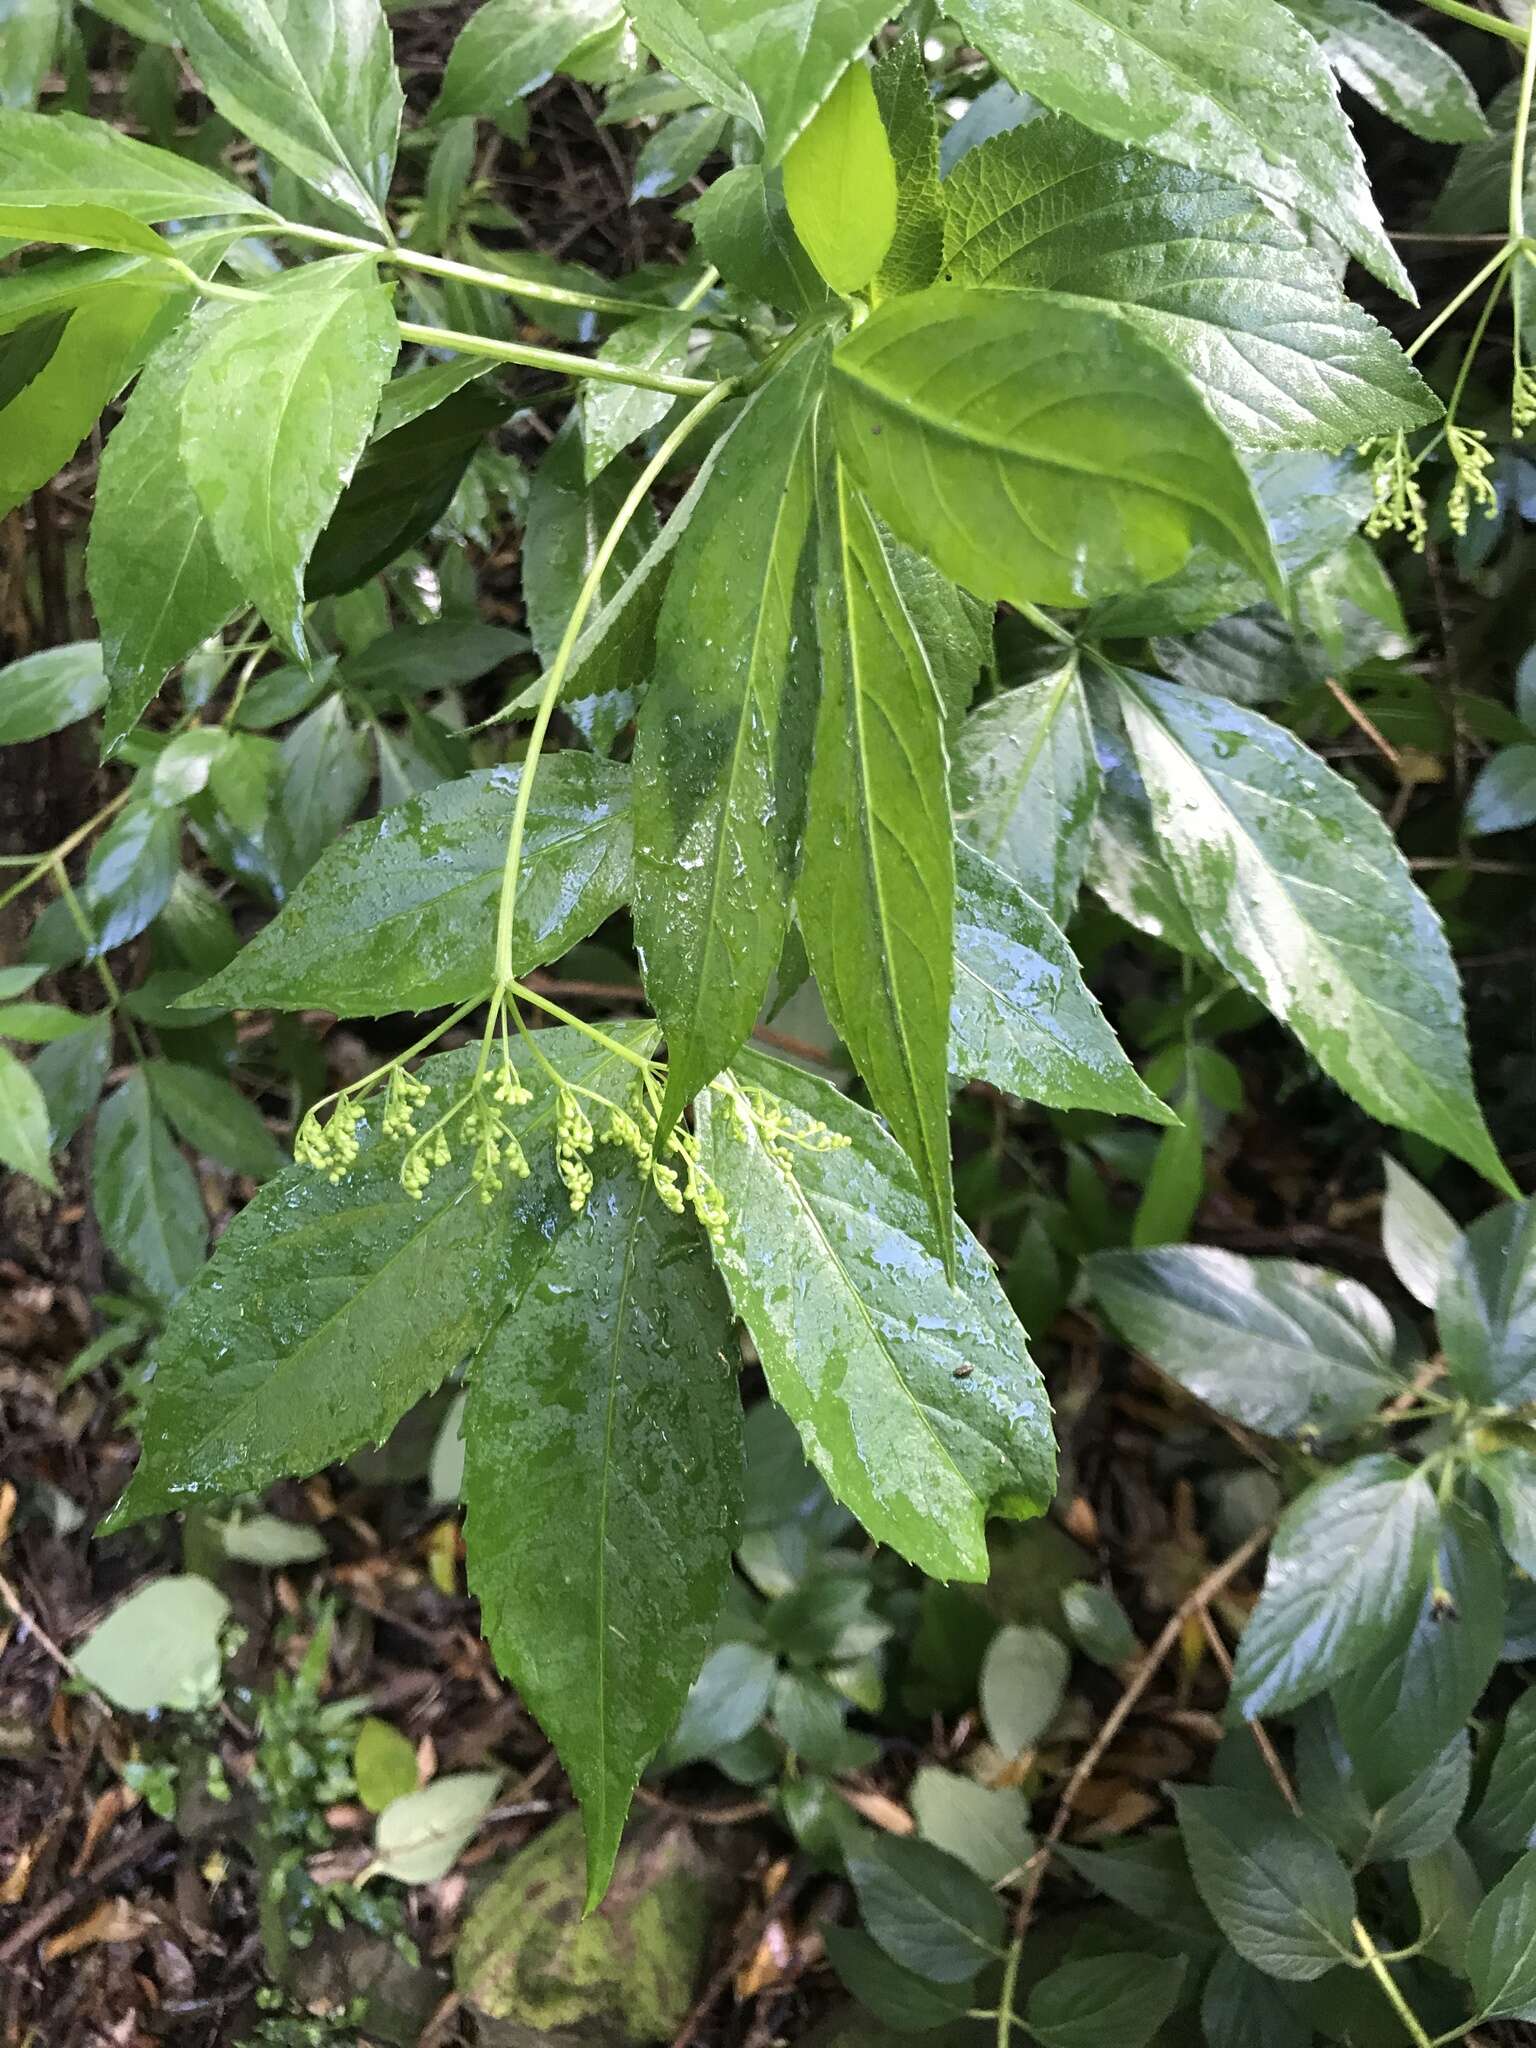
<point x="906" y="107"/>
<point x="1487" y="1307"/>
<point x="59" y="158"/>
<point x="210" y="1114"/>
<point x="608" y="1386"/>
<point x="400" y="913"/>
<point x="567" y="519"/>
<point x="785" y="61"/>
<point x="147" y="1201"/>
<point x="613" y="415"/>
<point x="46" y="691"/>
<point x="509" y="47"/>
<point x="1279" y="1894"/>
<point x="831" y="1268"/>
<point x="1396" y="67"/>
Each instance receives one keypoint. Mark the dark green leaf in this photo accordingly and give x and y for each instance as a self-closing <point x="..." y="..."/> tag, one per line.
<point x="1125" y="864"/>
<point x="898" y="1997"/>
<point x="1501" y="1946"/>
<point x="26" y="349"/>
<point x="212" y="1116"/>
<point x="905" y="100"/>
<point x="1277" y="1345"/>
<point x="71" y="1074"/>
<point x="1243" y="2008"/>
<point x="1506" y="1815"/>
<point x="508" y="47"/>
<point x="1487" y="1307"/>
<point x="744" y="228"/>
<point x="827" y="1258"/>
<point x="676" y="151"/>
<point x="723" y="738"/>
<point x="1396" y="67"/>
<point x="1296" y="885"/>
<point x="400" y="913"/>
<point x="412" y="661"/>
<point x="329" y="1308"/>
<point x="840" y="184"/>
<point x="686" y="40"/>
<point x="23" y="1122"/>
<point x="43" y="692"/>
<point x="927" y="1911"/>
<point x="1234" y="295"/>
<point x="1023" y="1682"/>
<point x="607" y="1384"/>
<point x="1149" y="1875"/>
<point x="130" y="875"/>
<point x="322" y="779"/>
<point x="1236" y="87"/>
<point x="1347" y="1572"/>
<point x="146" y="1199"/>
<point x="727" y="1700"/>
<point x="567" y="520"/>
<point x="1112" y="2001"/>
<point x="1100" y="1626"/>
<point x="1038" y="448"/>
<point x="1279" y="1893"/>
<point x="1251" y="657"/>
<point x="1510" y="1476"/>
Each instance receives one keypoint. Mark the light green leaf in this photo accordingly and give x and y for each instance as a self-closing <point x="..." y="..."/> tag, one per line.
<point x="64" y="159"/>
<point x="1022" y="1017"/>
<point x="29" y="39"/>
<point x="1279" y="1346"/>
<point x="1112" y="2001"/>
<point x="1026" y="786"/>
<point x="1501" y="1946"/>
<point x="1236" y="297"/>
<point x="840" y="184"/>
<point x="1347" y="1572"/>
<point x="925" y="1909"/>
<point x="158" y="1648"/>
<point x="44" y="692"/>
<point x="1023" y="1683"/>
<point x="721" y="750"/>
<point x="1417" y="1235"/>
<point x="1510" y="1476"/>
<point x="508" y="47"/>
<point x="352" y="1288"/>
<point x="613" y="415"/>
<point x="1297" y="887"/>
<point x="1503" y="798"/>
<point x="1278" y="1892"/>
<point x="400" y="912"/>
<point x="1236" y="87"/>
<point x="687" y="43"/>
<point x="313" y="81"/>
<point x="1487" y="1307"/>
<point x="213" y="1117"/>
<point x="876" y="898"/>
<point x="146" y="1199"/>
<point x="827" y="1258"/>
<point x="419" y="1838"/>
<point x="1506" y="1815"/>
<point x="275" y="413"/>
<point x="83" y="225"/>
<point x="384" y="1764"/>
<point x="1038" y="448"/>
<point x="157" y="581"/>
<point x="1395" y="67"/>
<point x="905" y="99"/>
<point x="676" y="152"/>
<point x="986" y="1830"/>
<point x="23" y="1122"/>
<point x="608" y="1384"/>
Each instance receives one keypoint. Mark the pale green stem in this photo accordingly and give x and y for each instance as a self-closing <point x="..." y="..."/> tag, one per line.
<point x="1388" y="1983"/>
<point x="1474" y="17"/>
<point x="625" y="1052"/>
<point x="1521" y="132"/>
<point x="104" y="973"/>
<point x="556" y="361"/>
<point x="714" y="395"/>
<point x="1468" y="290"/>
<point x="1005" y="1997"/>
<point x="42" y="863"/>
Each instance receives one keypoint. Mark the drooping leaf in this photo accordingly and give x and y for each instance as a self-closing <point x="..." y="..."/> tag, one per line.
<point x="313" y="81"/>
<point x="723" y="737"/>
<point x="212" y="1116"/>
<point x="840" y="184"/>
<point x="925" y="1909"/>
<point x="508" y="47"/>
<point x="1501" y="1946"/>
<point x="1297" y="887"/>
<point x="827" y="1258"/>
<point x="876" y="898"/>
<point x="1112" y="2001"/>
<point x="23" y="1122"/>
<point x="1237" y="87"/>
<point x="1277" y="1891"/>
<point x="146" y="1199"/>
<point x="1398" y="69"/>
<point x="46" y="691"/>
<point x="1026" y="786"/>
<point x="1038" y="448"/>
<point x="1021" y="1016"/>
<point x="1277" y="1345"/>
<point x="329" y="1307"/>
<point x="400" y="912"/>
<point x="275" y="413"/>
<point x="62" y="159"/>
<point x="1487" y="1307"/>
<point x="158" y="1648"/>
<point x="1506" y="1814"/>
<point x="1257" y="320"/>
<point x="905" y="99"/>
<point x="1510" y="1476"/>
<point x="1347" y="1572"/>
<point x="613" y="415"/>
<point x="607" y="1384"/>
<point x="1417" y="1235"/>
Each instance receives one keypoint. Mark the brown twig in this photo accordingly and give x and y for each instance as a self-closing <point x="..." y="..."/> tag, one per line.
<point x="1367" y="725"/>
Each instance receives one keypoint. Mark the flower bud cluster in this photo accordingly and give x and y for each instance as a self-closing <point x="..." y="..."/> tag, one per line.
<point x="574" y="1139"/>
<point x="1473" y="458"/>
<point x="1397" y="501"/>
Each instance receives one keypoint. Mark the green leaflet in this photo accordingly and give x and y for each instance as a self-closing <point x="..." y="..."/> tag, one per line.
<point x="1347" y="1570"/>
<point x="311" y="80"/>
<point x="213" y="1117"/>
<point x="323" y="773"/>
<point x="275" y="413"/>
<point x="1297" y="887"/>
<point x="508" y="47"/>
<point x="400" y="912"/>
<point x="1279" y="1346"/>
<point x="1237" y="87"/>
<point x="29" y="37"/>
<point x="327" y="1309"/>
<point x="1021" y="1017"/>
<point x="1233" y="295"/>
<point x="828" y="1263"/>
<point x="876" y="898"/>
<point x="723" y="736"/>
<point x="1510" y="1476"/>
<point x="146" y="1199"/>
<point x="1026" y="786"/>
<point x="567" y="519"/>
<point x="94" y="227"/>
<point x="840" y="184"/>
<point x="46" y="691"/>
<point x="607" y="1388"/>
<point x="1486" y="1307"/>
<point x="613" y="415"/>
<point x="744" y="228"/>
<point x="49" y="160"/>
<point x="156" y="578"/>
<point x="906" y="107"/>
<point x="1038" y="448"/>
<point x="1506" y="1814"/>
<point x="1278" y="1892"/>
<point x="1114" y="2001"/>
<point x="23" y="1122"/>
<point x="1501" y="1945"/>
<point x="1396" y="67"/>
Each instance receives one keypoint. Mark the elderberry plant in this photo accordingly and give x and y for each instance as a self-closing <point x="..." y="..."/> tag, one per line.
<point x="1092" y="364"/>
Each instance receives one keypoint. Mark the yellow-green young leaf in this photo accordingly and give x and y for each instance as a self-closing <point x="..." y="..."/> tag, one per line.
<point x="383" y="1763"/>
<point x="876" y="898"/>
<point x="840" y="184"/>
<point x="276" y="411"/>
<point x="328" y="1308"/>
<point x="83" y="224"/>
<point x="608" y="1386"/>
<point x="1038" y="448"/>
<point x="23" y="1122"/>
<point x="917" y="1401"/>
<point x="723" y="737"/>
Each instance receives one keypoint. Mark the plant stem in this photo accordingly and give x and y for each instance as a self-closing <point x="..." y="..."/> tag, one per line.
<point x="525" y="994"/>
<point x="104" y="973"/>
<point x="1005" y="2013"/>
<point x="1044" y="623"/>
<point x="1454" y="306"/>
<point x="1521" y="133"/>
<point x="1474" y="17"/>
<point x="714" y="395"/>
<point x="556" y="361"/>
<point x="44" y="862"/>
<point x="1388" y="1983"/>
